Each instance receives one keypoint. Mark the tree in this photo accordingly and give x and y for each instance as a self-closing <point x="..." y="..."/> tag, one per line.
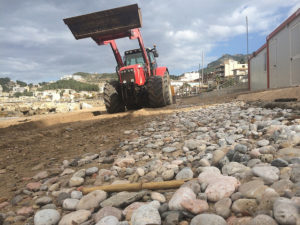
<point x="4" y="82"/>
<point x="21" y="83"/>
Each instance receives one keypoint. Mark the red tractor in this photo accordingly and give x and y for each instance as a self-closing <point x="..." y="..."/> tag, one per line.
<point x="141" y="83"/>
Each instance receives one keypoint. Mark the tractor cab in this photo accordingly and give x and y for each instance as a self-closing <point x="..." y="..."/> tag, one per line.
<point x="135" y="57"/>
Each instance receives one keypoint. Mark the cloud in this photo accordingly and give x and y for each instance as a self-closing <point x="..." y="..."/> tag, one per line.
<point x="36" y="45"/>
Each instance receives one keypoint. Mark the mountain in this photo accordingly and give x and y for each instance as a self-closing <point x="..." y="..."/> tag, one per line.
<point x="237" y="57"/>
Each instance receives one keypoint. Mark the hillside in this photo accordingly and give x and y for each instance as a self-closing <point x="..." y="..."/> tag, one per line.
<point x="70" y="84"/>
<point x="96" y="77"/>
<point x="237" y="57"/>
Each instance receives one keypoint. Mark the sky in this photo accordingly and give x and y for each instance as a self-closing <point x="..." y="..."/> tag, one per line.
<point x="36" y="45"/>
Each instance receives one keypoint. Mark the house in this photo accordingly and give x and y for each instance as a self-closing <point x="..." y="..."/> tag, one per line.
<point x="231" y="68"/>
<point x="1" y="90"/>
<point x="190" y="76"/>
<point x="277" y="63"/>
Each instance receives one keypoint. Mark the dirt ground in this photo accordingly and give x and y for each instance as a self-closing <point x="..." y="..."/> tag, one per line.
<point x="45" y="141"/>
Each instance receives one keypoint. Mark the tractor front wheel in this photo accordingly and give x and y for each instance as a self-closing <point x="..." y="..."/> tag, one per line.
<point x="112" y="99"/>
<point x="156" y="91"/>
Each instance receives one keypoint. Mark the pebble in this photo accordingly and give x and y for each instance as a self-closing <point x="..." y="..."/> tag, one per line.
<point x="269" y="174"/>
<point x="77" y="217"/>
<point x="222" y="207"/>
<point x="34" y="186"/>
<point x="91" y="171"/>
<point x="168" y="175"/>
<point x="145" y="215"/>
<point x="91" y="200"/>
<point x="182" y="194"/>
<point x="262" y="220"/>
<point x="208" y="219"/>
<point x="263" y="142"/>
<point x="158" y="196"/>
<point x="25" y="211"/>
<point x="46" y="217"/>
<point x="285" y="211"/>
<point x="70" y="204"/>
<point x="43" y="201"/>
<point x="169" y="149"/>
<point x="76" y="181"/>
<point x="184" y="174"/>
<point x="76" y="194"/>
<point x="108" y="220"/>
<point x="108" y="211"/>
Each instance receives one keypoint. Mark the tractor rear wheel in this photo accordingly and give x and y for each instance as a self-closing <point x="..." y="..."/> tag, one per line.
<point x="167" y="89"/>
<point x="156" y="90"/>
<point x="112" y="99"/>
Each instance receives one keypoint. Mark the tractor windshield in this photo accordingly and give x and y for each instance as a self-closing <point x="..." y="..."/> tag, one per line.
<point x="135" y="58"/>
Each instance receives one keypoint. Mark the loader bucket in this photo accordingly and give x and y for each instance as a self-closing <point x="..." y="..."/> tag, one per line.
<point x="109" y="23"/>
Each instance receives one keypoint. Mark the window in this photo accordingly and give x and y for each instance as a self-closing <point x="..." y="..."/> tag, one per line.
<point x="133" y="59"/>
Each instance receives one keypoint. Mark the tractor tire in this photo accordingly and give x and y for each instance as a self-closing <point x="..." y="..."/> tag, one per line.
<point x="112" y="100"/>
<point x="133" y="107"/>
<point x="167" y="89"/>
<point x="156" y="90"/>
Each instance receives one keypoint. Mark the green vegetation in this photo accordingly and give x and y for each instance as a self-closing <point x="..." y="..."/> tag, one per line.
<point x="71" y="84"/>
<point x="4" y="82"/>
<point x="174" y="77"/>
<point x="21" y="83"/>
<point x="25" y="93"/>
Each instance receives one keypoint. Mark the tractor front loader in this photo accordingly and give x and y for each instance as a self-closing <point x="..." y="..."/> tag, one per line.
<point x="141" y="82"/>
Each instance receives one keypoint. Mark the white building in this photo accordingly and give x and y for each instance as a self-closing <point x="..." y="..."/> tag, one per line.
<point x="1" y="90"/>
<point x="277" y="63"/>
<point x="231" y="68"/>
<point x="190" y="76"/>
<point x="74" y="77"/>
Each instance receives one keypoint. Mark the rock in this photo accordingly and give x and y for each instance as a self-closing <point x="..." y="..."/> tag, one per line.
<point x="262" y="220"/>
<point x="61" y="197"/>
<point x="108" y="220"/>
<point x="49" y="206"/>
<point x="41" y="175"/>
<point x="263" y="142"/>
<point x="195" y="206"/>
<point x="34" y="186"/>
<point x="285" y="212"/>
<point x="91" y="171"/>
<point x="241" y="148"/>
<point x="25" y="211"/>
<point x="208" y="219"/>
<point x="245" y="206"/>
<point x="140" y="171"/>
<point x="70" y="204"/>
<point x="16" y="199"/>
<point x="217" y="156"/>
<point x="222" y="207"/>
<point x="269" y="174"/>
<point x="288" y="153"/>
<point x="80" y="173"/>
<point x="184" y="174"/>
<point x="172" y="218"/>
<point x="123" y="199"/>
<point x="168" y="174"/>
<point x="234" y="167"/>
<point x="46" y="217"/>
<point x="219" y="186"/>
<point x="124" y="162"/>
<point x="127" y="212"/>
<point x="146" y="215"/>
<point x="108" y="211"/>
<point x="279" y="163"/>
<point x="76" y="181"/>
<point x="182" y="194"/>
<point x="76" y="217"/>
<point x="91" y="200"/>
<point x="158" y="196"/>
<point x="67" y="171"/>
<point x="253" y="189"/>
<point x="192" y="144"/>
<point x="43" y="201"/>
<point x="76" y="194"/>
<point x="194" y="185"/>
<point x="282" y="186"/>
<point x="295" y="175"/>
<point x="267" y="200"/>
<point x="169" y="149"/>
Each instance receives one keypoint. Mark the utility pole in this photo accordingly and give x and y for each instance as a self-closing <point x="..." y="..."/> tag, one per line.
<point x="202" y="66"/>
<point x="247" y="37"/>
<point x="199" y="78"/>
